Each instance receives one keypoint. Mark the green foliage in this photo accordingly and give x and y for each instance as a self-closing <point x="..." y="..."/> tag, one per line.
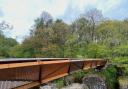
<point x="88" y="36"/>
<point x="3" y="51"/>
<point x="5" y="46"/>
<point x="5" y="43"/>
<point x="121" y="50"/>
<point x="59" y="83"/>
<point x="119" y="60"/>
<point x="109" y="33"/>
<point x="19" y="52"/>
<point x="78" y="76"/>
<point x="124" y="69"/>
<point x="110" y="75"/>
<point x="122" y="64"/>
<point x="97" y="51"/>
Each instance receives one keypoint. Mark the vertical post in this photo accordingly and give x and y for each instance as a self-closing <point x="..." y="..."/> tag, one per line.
<point x="40" y="72"/>
<point x="83" y="64"/>
<point x="69" y="66"/>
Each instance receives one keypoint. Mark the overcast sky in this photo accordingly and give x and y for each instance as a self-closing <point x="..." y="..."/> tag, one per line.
<point x="22" y="13"/>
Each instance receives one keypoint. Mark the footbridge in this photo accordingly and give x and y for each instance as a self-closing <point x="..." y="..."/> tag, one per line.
<point x="25" y="73"/>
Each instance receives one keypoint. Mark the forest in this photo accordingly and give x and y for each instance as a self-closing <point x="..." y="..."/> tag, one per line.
<point x="91" y="35"/>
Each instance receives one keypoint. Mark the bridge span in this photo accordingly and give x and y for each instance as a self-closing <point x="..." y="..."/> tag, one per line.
<point x="24" y="73"/>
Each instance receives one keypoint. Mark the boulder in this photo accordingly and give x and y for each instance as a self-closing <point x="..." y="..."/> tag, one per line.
<point x="94" y="82"/>
<point x="76" y="86"/>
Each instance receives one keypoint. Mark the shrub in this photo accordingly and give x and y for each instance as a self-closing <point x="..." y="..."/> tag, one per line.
<point x="59" y="83"/>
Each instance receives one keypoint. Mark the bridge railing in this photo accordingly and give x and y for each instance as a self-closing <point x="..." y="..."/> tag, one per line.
<point x="40" y="70"/>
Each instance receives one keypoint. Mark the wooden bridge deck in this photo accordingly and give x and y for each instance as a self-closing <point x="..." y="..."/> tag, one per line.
<point x="25" y="73"/>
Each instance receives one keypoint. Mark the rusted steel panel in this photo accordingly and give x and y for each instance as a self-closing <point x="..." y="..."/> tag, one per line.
<point x="101" y="62"/>
<point x="87" y="64"/>
<point x="94" y="64"/>
<point x="29" y="73"/>
<point x="76" y="65"/>
<point x="98" y="63"/>
<point x="51" y="70"/>
<point x="40" y="71"/>
<point x="16" y="65"/>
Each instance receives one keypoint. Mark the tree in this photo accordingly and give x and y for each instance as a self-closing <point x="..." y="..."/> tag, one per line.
<point x="60" y="35"/>
<point x="121" y="50"/>
<point x="97" y="51"/>
<point x="81" y="29"/>
<point x="4" y="26"/>
<point x="44" y="20"/>
<point x="95" y="17"/>
<point x="40" y="36"/>
<point x="109" y="33"/>
<point x="5" y="43"/>
<point x="90" y="35"/>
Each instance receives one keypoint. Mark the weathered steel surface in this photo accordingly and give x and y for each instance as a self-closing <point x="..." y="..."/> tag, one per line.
<point x="52" y="69"/>
<point x="76" y="65"/>
<point x="37" y="71"/>
<point x="28" y="73"/>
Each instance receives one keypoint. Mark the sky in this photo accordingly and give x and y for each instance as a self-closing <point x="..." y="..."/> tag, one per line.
<point x="22" y="13"/>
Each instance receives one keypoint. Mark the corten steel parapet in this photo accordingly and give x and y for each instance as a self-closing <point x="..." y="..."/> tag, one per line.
<point x="43" y="70"/>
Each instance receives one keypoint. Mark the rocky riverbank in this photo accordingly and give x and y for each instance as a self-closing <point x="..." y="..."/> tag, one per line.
<point x="72" y="86"/>
<point x="104" y="79"/>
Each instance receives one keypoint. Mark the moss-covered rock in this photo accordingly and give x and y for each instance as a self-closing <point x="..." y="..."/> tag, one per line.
<point x="123" y="82"/>
<point x="109" y="74"/>
<point x="94" y="82"/>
